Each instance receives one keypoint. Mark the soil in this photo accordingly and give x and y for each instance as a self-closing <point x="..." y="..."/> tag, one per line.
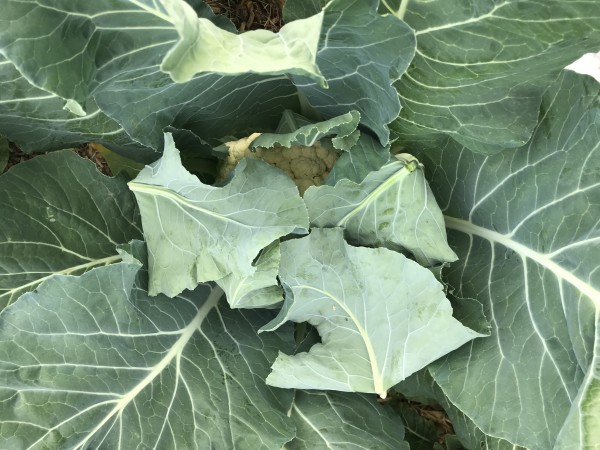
<point x="16" y="156"/>
<point x="251" y="14"/>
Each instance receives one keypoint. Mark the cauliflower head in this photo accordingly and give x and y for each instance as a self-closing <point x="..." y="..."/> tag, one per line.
<point x="306" y="166"/>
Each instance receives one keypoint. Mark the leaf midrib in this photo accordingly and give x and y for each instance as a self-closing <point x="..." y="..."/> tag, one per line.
<point x="186" y="334"/>
<point x="402" y="171"/>
<point x="179" y="200"/>
<point x="377" y="380"/>
<point x="66" y="271"/>
<point x="543" y="260"/>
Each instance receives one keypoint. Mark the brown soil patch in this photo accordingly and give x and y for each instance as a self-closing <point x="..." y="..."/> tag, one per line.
<point x="251" y="14"/>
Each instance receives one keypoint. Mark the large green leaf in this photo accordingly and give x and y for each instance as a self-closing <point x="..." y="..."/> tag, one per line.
<point x="116" y="49"/>
<point x="381" y="316"/>
<point x="392" y="207"/>
<point x="338" y="421"/>
<point x="94" y="362"/>
<point x="422" y="386"/>
<point x="113" y="58"/>
<point x="196" y="232"/>
<point x="524" y="224"/>
<point x="60" y="215"/>
<point x="37" y="121"/>
<point x="360" y="54"/>
<point x="294" y="10"/>
<point x="481" y="67"/>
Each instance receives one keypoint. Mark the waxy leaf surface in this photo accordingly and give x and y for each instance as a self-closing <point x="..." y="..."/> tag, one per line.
<point x="360" y="55"/>
<point x="392" y="207"/>
<point x="338" y="420"/>
<point x="525" y="226"/>
<point x="481" y="67"/>
<point x="380" y="316"/>
<point x="94" y="362"/>
<point x="60" y="215"/>
<point x="196" y="232"/>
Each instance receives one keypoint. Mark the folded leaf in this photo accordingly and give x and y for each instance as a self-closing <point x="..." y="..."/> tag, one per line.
<point x="525" y="226"/>
<point x="204" y="47"/>
<point x="259" y="290"/>
<point x="60" y="215"/>
<point x="392" y="207"/>
<point x="380" y="315"/>
<point x="196" y="232"/>
<point x="94" y="362"/>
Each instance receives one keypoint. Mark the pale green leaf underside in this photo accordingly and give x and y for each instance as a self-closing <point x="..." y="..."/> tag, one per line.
<point x="342" y="127"/>
<point x="87" y="362"/>
<point x="380" y="315"/>
<point x="524" y="224"/>
<point x="60" y="215"/>
<point x="481" y="67"/>
<point x="392" y="207"/>
<point x="196" y="232"/>
<point x="204" y="47"/>
<point x="260" y="289"/>
<point x="336" y="420"/>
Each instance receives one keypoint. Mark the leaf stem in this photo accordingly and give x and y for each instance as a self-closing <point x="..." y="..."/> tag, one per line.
<point x="401" y="8"/>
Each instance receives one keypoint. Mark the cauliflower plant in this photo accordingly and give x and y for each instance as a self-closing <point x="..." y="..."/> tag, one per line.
<point x="306" y="166"/>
